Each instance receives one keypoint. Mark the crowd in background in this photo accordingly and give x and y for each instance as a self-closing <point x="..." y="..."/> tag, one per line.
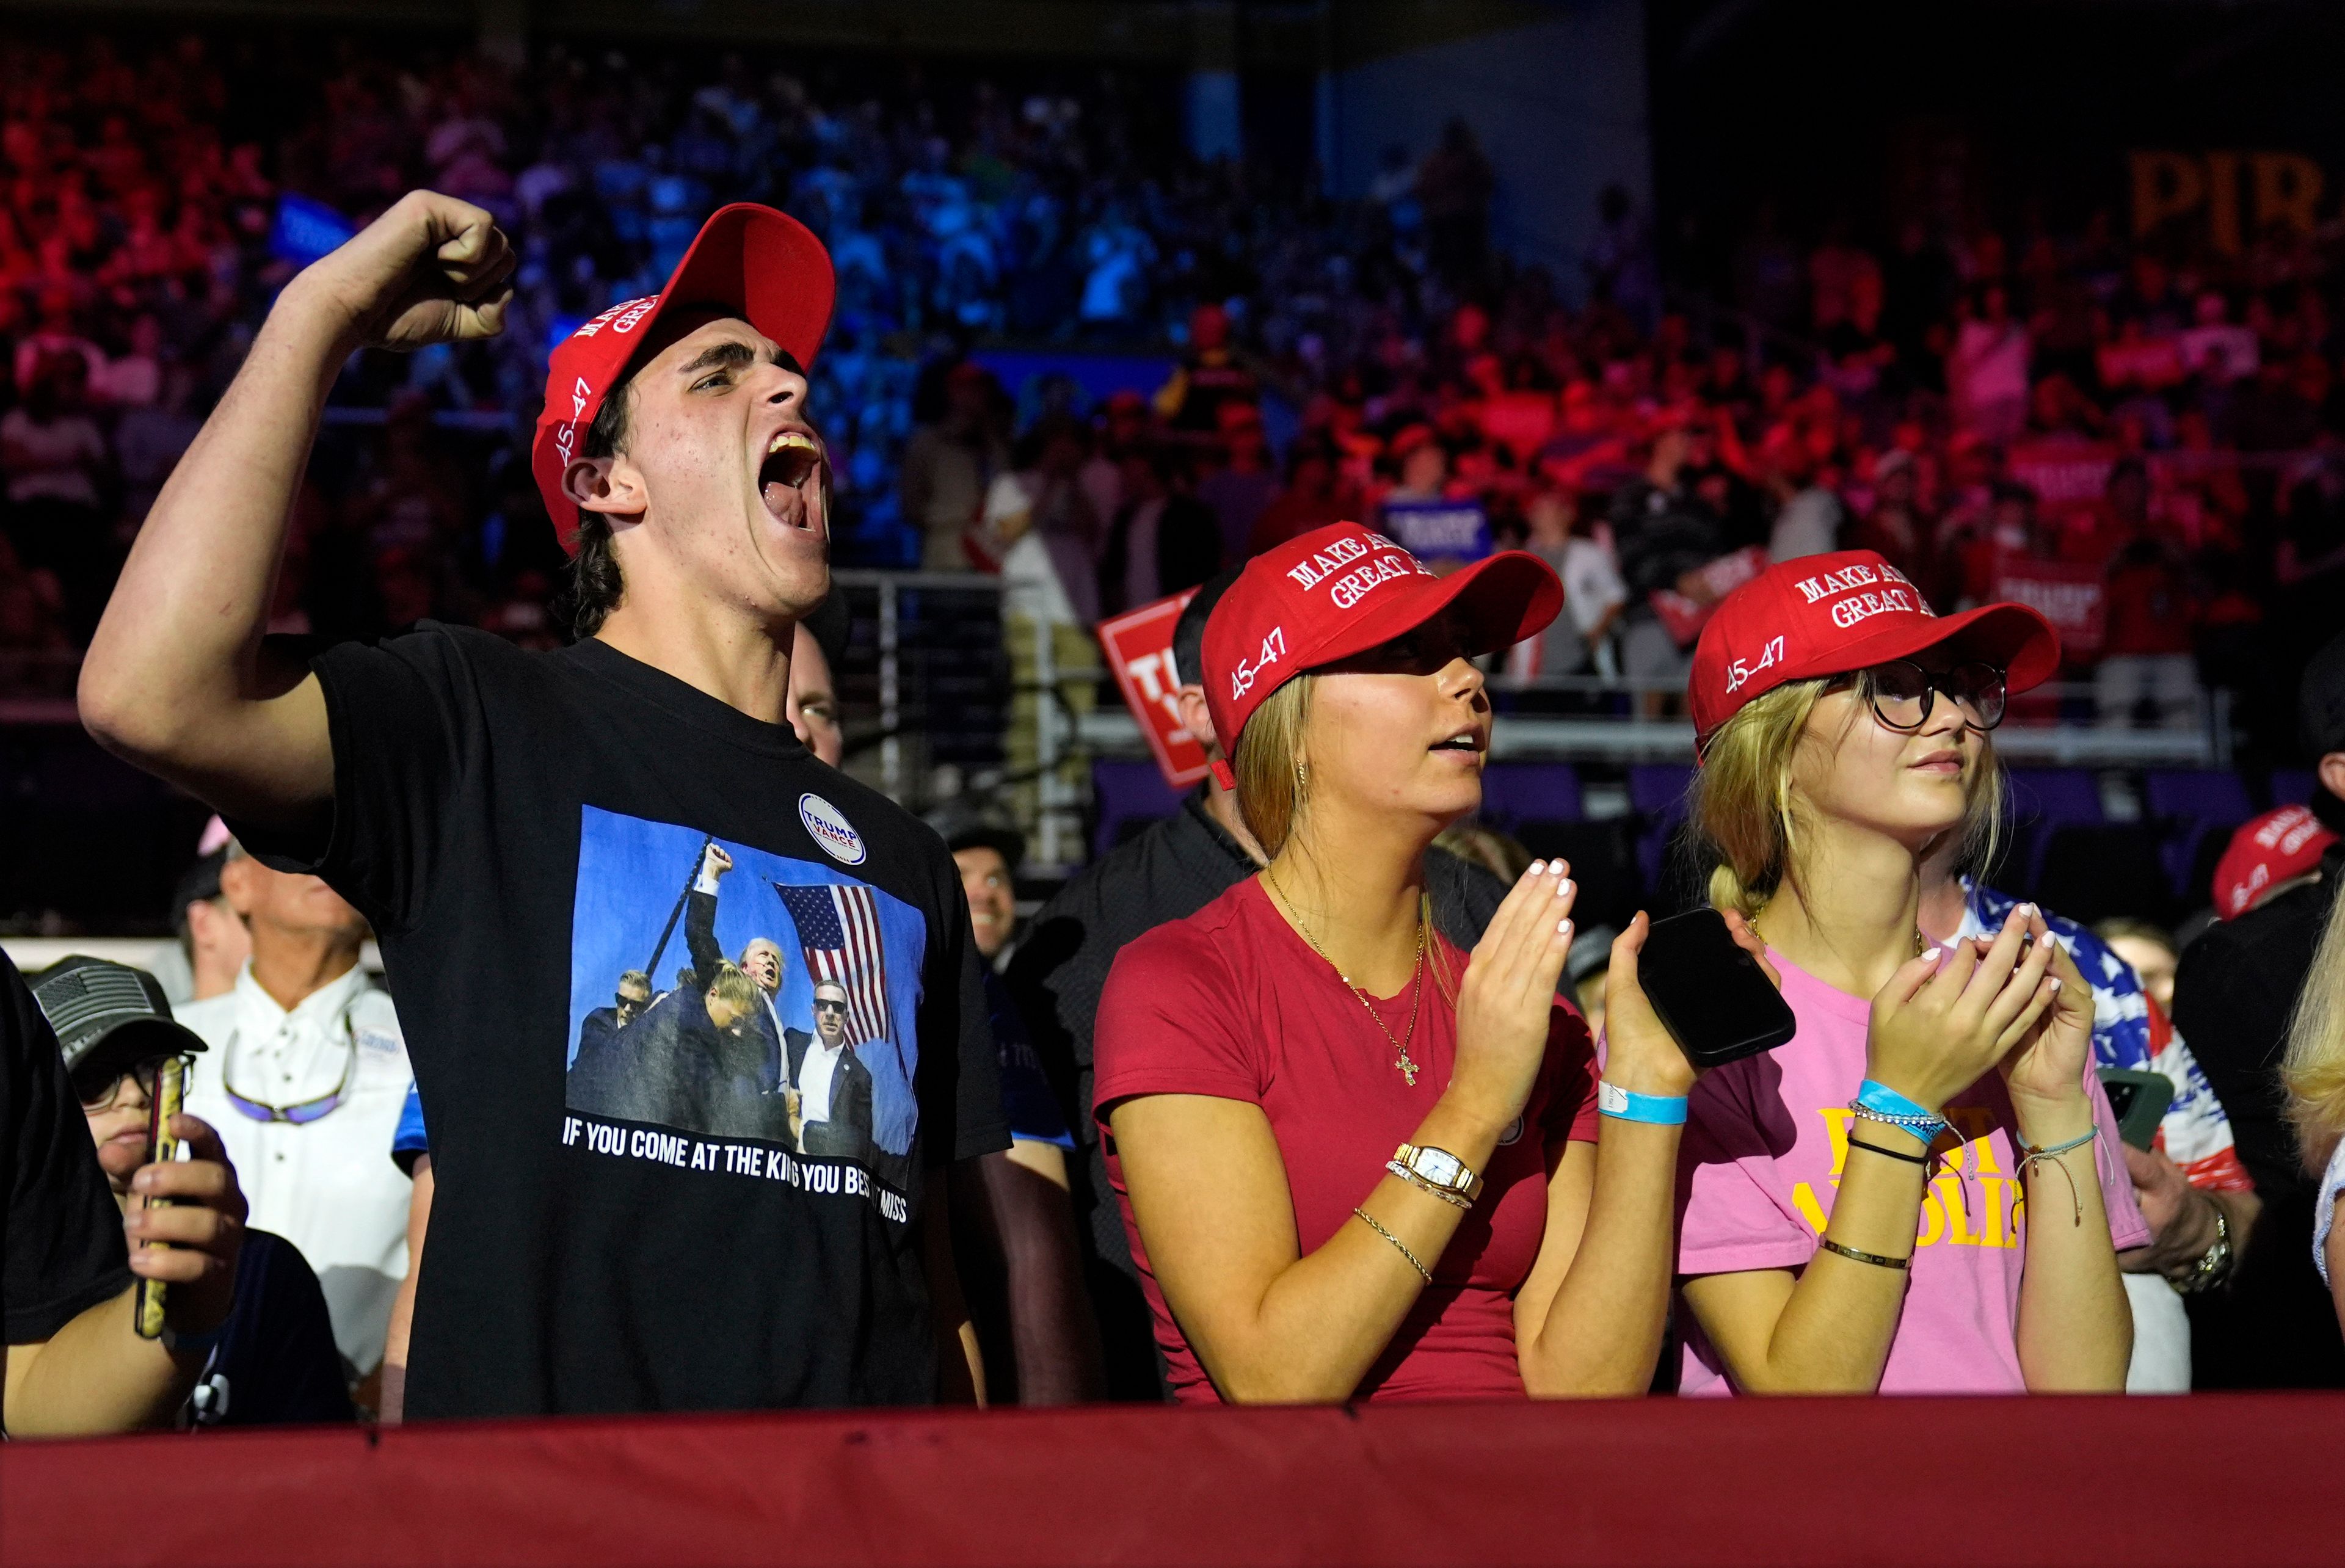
<point x="2139" y="437"/>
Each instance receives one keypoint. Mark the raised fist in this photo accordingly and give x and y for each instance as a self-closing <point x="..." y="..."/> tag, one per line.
<point x="431" y="269"/>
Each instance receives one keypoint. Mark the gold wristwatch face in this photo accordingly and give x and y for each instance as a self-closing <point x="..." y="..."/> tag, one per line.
<point x="1439" y="1166"/>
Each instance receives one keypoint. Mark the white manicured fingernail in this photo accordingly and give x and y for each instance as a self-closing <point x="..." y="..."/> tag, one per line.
<point x="1931" y="954"/>
<point x="2055" y="982"/>
<point x="1539" y="868"/>
<point x="1563" y="888"/>
<point x="1563" y="928"/>
<point x="2025" y="912"/>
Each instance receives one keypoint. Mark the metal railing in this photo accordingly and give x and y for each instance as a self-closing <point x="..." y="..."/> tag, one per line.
<point x="1576" y="718"/>
<point x="933" y="685"/>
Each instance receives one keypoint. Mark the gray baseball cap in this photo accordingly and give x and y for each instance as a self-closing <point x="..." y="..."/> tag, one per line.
<point x="1591" y="950"/>
<point x="108" y="1015"/>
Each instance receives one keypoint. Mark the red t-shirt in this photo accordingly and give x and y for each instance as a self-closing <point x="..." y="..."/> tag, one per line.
<point x="1232" y="1003"/>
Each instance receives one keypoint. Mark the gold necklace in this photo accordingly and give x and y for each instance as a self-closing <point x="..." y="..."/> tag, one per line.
<point x="1919" y="945"/>
<point x="1401" y="1059"/>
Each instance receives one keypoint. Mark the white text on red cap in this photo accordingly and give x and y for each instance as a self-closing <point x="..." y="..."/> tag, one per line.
<point x="1274" y="649"/>
<point x="1390" y="561"/>
<point x="620" y="317"/>
<point x="1856" y="605"/>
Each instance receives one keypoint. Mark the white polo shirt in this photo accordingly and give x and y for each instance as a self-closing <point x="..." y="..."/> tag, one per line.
<point x="327" y="1186"/>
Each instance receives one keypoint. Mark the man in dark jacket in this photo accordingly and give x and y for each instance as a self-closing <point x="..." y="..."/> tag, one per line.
<point x="834" y="1087"/>
<point x="2275" y="1327"/>
<point x="1168" y="872"/>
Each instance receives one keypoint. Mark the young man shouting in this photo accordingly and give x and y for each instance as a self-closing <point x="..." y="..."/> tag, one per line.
<point x="522" y="830"/>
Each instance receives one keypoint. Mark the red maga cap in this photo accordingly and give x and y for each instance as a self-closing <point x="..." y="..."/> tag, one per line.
<point x="2266" y="852"/>
<point x="762" y="265"/>
<point x="1342" y="590"/>
<point x="1829" y="614"/>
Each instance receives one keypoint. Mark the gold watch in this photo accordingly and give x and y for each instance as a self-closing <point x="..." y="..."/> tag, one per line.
<point x="1436" y="1170"/>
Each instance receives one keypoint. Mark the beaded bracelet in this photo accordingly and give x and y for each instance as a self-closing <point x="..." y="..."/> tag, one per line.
<point x="1454" y="1200"/>
<point x="1925" y="1126"/>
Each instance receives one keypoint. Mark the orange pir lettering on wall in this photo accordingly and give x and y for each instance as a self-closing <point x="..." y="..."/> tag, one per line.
<point x="2279" y="187"/>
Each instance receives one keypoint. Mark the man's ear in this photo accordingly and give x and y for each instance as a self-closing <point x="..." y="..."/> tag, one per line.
<point x="237" y="884"/>
<point x="203" y="919"/>
<point x="612" y="486"/>
<point x="1197" y="716"/>
<point x="2332" y="773"/>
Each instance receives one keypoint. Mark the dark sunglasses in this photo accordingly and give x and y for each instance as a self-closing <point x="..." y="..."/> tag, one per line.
<point x="99" y="1091"/>
<point x="1904" y="694"/>
<point x="823" y="1006"/>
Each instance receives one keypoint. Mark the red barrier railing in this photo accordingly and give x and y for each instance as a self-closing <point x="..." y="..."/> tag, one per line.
<point x="2068" y="1481"/>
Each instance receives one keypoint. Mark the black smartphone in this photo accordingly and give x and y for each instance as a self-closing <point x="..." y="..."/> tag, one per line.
<point x="162" y="1144"/>
<point x="1712" y="996"/>
<point x="2139" y="1100"/>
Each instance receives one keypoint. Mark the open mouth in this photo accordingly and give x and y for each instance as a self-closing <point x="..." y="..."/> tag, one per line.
<point x="1463" y="740"/>
<point x="791" y="459"/>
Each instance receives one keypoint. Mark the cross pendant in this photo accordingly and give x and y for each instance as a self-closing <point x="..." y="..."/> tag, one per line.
<point x="1408" y="1070"/>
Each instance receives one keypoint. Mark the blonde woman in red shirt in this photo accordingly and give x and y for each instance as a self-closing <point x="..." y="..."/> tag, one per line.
<point x="1353" y="1162"/>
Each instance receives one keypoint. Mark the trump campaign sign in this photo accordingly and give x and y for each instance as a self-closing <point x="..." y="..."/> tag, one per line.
<point x="1139" y="647"/>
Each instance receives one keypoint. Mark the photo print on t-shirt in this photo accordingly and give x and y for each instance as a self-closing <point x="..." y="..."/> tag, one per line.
<point x="758" y="1006"/>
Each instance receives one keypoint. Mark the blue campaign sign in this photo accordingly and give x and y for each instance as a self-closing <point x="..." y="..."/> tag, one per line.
<point x="306" y="230"/>
<point x="1439" y="530"/>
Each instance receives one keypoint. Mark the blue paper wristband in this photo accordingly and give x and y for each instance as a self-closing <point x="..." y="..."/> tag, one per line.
<point x="1660" y="1110"/>
<point x="1889" y="1102"/>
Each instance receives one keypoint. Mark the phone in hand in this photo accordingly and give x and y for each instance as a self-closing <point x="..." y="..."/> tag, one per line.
<point x="162" y="1144"/>
<point x="2139" y="1100"/>
<point x="1712" y="996"/>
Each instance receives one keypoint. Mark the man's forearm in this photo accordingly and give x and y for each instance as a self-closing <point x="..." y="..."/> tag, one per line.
<point x="180" y="640"/>
<point x="95" y="1375"/>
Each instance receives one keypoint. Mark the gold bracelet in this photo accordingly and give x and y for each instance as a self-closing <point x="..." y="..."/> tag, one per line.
<point x="1402" y="1246"/>
<point x="1829" y="1245"/>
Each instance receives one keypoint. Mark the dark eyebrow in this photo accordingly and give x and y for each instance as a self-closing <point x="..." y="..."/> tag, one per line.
<point x="731" y="355"/>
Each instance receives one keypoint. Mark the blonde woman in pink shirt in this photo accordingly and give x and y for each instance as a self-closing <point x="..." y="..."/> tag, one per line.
<point x="1922" y="1191"/>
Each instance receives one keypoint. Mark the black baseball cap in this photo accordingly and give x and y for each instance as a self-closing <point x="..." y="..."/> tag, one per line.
<point x="1006" y="842"/>
<point x="199" y="884"/>
<point x="2321" y="701"/>
<point x="109" y="1017"/>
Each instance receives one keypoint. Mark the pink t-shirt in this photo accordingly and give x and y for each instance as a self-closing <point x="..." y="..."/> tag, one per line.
<point x="1765" y="1140"/>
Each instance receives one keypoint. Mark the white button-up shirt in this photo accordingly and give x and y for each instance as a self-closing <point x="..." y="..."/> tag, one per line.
<point x="815" y="1073"/>
<point x="327" y="1186"/>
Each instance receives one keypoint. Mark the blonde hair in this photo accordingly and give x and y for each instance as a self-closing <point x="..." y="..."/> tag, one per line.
<point x="732" y="987"/>
<point x="2314" y="1069"/>
<point x="1268" y="765"/>
<point x="1750" y="822"/>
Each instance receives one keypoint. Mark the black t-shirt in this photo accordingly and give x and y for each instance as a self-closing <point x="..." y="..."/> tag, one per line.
<point x="2273" y="1325"/>
<point x="605" y="901"/>
<point x="61" y="1246"/>
<point x="277" y="1364"/>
